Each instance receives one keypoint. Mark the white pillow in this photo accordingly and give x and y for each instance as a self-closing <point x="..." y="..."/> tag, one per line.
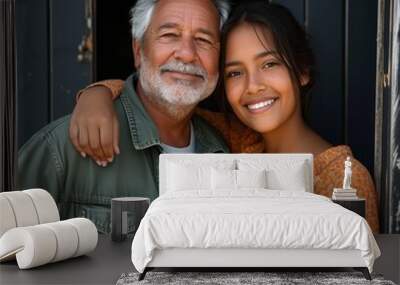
<point x="251" y="178"/>
<point x="290" y="179"/>
<point x="183" y="178"/>
<point x="223" y="179"/>
<point x="281" y="174"/>
<point x="226" y="179"/>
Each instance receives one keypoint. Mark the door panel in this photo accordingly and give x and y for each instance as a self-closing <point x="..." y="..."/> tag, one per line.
<point x="49" y="74"/>
<point x="325" y="21"/>
<point x="32" y="67"/>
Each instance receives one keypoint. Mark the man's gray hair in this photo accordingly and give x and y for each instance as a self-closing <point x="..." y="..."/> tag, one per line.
<point x="143" y="10"/>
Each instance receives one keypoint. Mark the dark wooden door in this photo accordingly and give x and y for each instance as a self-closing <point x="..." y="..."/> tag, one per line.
<point x="49" y="73"/>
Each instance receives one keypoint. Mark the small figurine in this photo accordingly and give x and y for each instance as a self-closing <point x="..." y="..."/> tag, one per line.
<point x="347" y="174"/>
<point x="346" y="192"/>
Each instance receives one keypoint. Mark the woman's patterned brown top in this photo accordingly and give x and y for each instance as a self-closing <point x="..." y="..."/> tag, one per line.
<point x="328" y="165"/>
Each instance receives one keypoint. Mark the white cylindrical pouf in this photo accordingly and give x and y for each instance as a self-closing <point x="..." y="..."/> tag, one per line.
<point x="45" y="205"/>
<point x="87" y="234"/>
<point x="67" y="239"/>
<point x="23" y="208"/>
<point x="7" y="218"/>
<point x="33" y="246"/>
<point x="40" y="244"/>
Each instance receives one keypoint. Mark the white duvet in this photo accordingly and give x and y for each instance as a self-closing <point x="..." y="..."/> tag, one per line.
<point x="252" y="218"/>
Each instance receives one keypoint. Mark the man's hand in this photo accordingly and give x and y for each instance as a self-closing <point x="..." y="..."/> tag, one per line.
<point x="94" y="128"/>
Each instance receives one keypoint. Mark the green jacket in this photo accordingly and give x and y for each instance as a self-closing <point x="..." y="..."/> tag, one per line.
<point x="83" y="189"/>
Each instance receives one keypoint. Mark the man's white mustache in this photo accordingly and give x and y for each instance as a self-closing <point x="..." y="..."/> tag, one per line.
<point x="178" y="66"/>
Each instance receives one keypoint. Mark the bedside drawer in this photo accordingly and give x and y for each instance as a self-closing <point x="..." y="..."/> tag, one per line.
<point x="357" y="206"/>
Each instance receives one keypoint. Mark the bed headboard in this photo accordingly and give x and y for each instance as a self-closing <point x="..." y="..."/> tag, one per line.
<point x="264" y="160"/>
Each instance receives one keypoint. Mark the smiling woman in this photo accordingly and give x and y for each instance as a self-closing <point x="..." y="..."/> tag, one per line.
<point x="258" y="83"/>
<point x="267" y="80"/>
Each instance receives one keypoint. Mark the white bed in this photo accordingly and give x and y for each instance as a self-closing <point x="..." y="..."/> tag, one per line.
<point x="215" y="211"/>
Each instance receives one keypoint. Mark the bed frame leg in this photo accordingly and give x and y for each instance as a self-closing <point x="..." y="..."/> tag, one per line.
<point x="364" y="271"/>
<point x="143" y="274"/>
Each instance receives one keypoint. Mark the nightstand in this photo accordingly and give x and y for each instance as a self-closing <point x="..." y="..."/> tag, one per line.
<point x="356" y="205"/>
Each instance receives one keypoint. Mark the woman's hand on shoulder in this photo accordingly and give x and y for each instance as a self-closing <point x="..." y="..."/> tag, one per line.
<point x="94" y="127"/>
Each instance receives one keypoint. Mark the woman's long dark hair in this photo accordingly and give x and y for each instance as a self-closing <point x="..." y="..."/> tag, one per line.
<point x="290" y="39"/>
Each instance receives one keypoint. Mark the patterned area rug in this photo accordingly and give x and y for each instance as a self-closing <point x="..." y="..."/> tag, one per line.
<point x="243" y="278"/>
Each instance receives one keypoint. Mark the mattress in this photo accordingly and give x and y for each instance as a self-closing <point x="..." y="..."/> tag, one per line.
<point x="251" y="219"/>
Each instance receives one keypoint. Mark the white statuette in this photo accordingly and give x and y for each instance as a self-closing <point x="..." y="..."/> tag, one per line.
<point x="347" y="192"/>
<point x="347" y="174"/>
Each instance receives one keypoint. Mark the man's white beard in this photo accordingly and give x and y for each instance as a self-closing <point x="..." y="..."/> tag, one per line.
<point x="177" y="99"/>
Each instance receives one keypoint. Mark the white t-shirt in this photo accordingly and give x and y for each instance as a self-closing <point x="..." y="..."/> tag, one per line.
<point x="187" y="149"/>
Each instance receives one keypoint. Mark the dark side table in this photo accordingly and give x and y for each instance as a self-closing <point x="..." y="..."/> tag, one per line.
<point x="126" y="214"/>
<point x="356" y="205"/>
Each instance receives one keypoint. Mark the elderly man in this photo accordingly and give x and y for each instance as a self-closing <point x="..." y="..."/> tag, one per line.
<point x="176" y="48"/>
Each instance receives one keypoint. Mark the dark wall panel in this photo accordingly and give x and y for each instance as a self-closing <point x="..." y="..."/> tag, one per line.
<point x="32" y="67"/>
<point x="8" y="146"/>
<point x="296" y="7"/>
<point x="113" y="37"/>
<point x="360" y="78"/>
<point x="325" y="24"/>
<point x="49" y="74"/>
<point x="68" y="75"/>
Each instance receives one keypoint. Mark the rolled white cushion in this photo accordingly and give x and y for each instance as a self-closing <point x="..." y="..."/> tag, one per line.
<point x="7" y="218"/>
<point x="33" y="246"/>
<point x="66" y="238"/>
<point x="23" y="208"/>
<point x="87" y="235"/>
<point x="45" y="205"/>
<point x="40" y="244"/>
